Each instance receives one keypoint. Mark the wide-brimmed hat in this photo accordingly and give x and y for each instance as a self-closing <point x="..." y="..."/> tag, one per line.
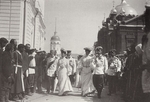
<point x="88" y="49"/>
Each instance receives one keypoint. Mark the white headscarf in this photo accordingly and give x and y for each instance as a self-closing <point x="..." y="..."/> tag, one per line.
<point x="138" y="48"/>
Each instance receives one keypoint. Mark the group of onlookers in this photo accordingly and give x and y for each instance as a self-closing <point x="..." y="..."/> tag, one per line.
<point x="136" y="74"/>
<point x="19" y="70"/>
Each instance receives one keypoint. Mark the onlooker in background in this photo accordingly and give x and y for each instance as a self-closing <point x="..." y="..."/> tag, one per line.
<point x="40" y="64"/>
<point x="7" y="71"/>
<point x="114" y="66"/>
<point x="14" y="42"/>
<point x="3" y="42"/>
<point x="25" y="65"/>
<point x="30" y="73"/>
<point x="38" y="73"/>
<point x="18" y="86"/>
<point x="146" y="66"/>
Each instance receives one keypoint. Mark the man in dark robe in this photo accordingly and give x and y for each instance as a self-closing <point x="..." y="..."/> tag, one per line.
<point x="3" y="42"/>
<point x="7" y="77"/>
<point x="18" y="87"/>
<point x="133" y="72"/>
<point x="134" y="88"/>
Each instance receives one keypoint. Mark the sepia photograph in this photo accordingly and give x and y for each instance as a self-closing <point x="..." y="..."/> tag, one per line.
<point x="74" y="51"/>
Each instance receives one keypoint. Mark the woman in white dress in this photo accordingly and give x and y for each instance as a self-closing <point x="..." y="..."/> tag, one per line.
<point x="63" y="77"/>
<point x="86" y="74"/>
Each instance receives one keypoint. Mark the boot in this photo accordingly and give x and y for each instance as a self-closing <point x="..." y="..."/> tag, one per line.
<point x="15" y="98"/>
<point x="29" y="92"/>
<point x="20" y="96"/>
<point x="32" y="89"/>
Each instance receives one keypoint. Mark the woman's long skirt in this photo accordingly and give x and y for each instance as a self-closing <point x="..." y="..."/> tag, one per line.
<point x="64" y="82"/>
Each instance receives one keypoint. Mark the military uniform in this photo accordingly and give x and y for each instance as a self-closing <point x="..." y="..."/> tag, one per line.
<point x="51" y="66"/>
<point x="99" y="66"/>
<point x="114" y="66"/>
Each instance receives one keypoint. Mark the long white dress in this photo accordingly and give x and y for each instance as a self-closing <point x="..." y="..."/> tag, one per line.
<point x="63" y="77"/>
<point x="86" y="76"/>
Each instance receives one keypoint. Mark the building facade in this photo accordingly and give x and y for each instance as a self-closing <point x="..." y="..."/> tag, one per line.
<point x="123" y="28"/>
<point x="22" y="20"/>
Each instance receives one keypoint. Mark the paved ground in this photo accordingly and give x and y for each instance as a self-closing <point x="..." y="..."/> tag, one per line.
<point x="73" y="97"/>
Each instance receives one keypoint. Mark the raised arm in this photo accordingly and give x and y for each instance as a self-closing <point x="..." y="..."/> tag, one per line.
<point x="74" y="66"/>
<point x="93" y="63"/>
<point x="57" y="67"/>
<point x="105" y="64"/>
<point x="118" y="65"/>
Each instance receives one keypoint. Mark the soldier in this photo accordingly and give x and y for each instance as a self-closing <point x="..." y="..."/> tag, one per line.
<point x="51" y="65"/>
<point x="114" y="66"/>
<point x="72" y="67"/>
<point x="100" y="65"/>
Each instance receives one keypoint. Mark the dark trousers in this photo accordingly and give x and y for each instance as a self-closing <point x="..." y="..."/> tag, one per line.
<point x="39" y="83"/>
<point x="98" y="82"/>
<point x="112" y="84"/>
<point x="50" y="84"/>
<point x="30" y="83"/>
<point x="72" y="79"/>
<point x="5" y="88"/>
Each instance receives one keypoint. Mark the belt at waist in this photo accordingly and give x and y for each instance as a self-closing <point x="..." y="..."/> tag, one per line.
<point x="98" y="74"/>
<point x="86" y="66"/>
<point x="32" y="67"/>
<point x="18" y="66"/>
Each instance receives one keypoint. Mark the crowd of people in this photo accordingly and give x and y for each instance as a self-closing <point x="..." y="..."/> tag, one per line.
<point x="23" y="70"/>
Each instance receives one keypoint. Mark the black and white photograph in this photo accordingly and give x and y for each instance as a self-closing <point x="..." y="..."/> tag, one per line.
<point x="74" y="51"/>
